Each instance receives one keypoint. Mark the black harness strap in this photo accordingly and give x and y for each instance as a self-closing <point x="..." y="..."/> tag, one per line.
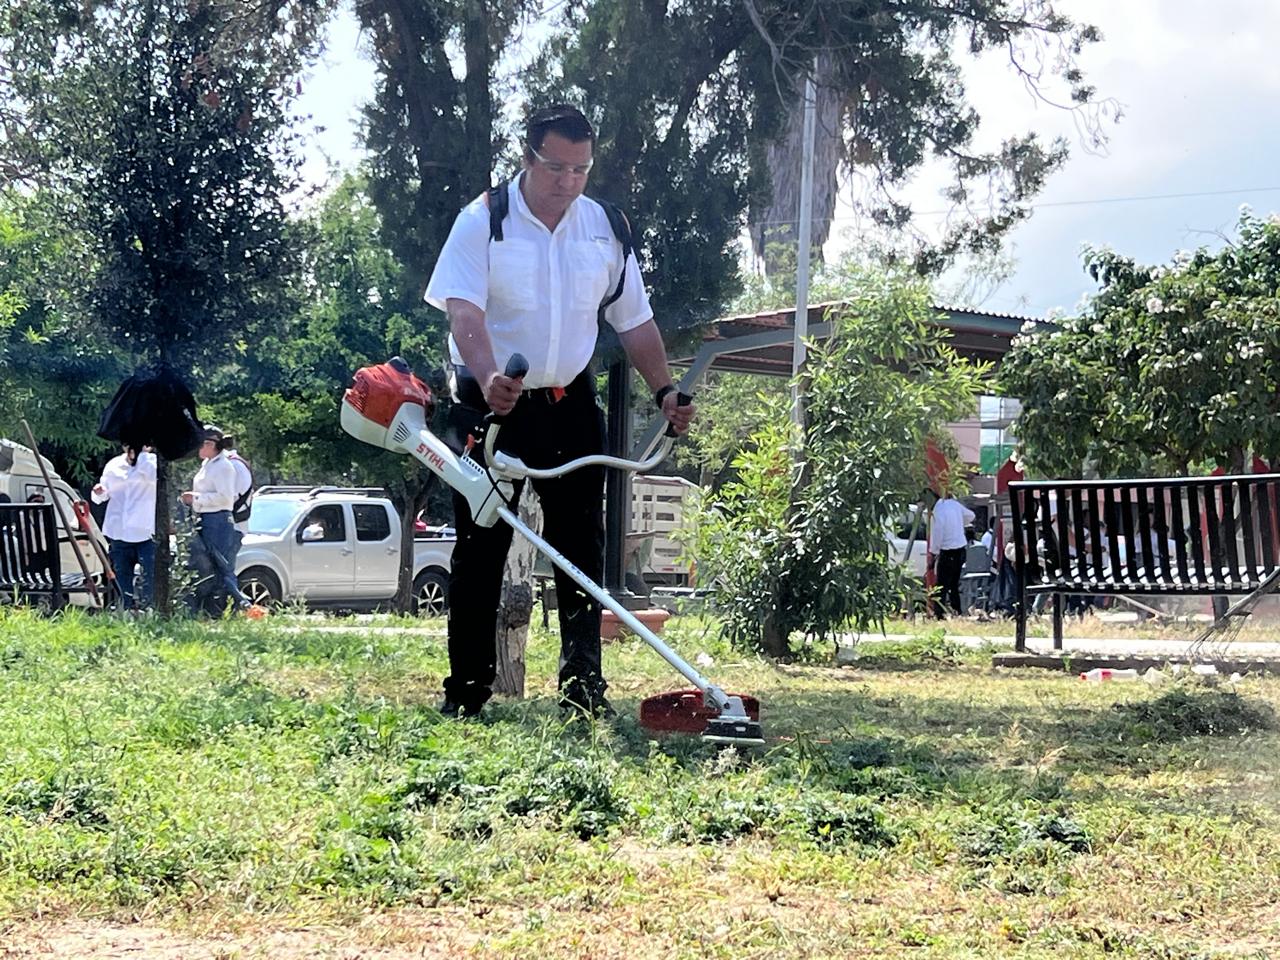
<point x="500" y="205"/>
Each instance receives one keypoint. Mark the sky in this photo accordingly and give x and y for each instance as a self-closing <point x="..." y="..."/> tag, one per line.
<point x="1198" y="86"/>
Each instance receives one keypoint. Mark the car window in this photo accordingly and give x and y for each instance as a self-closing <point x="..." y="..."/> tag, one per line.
<point x="39" y="493"/>
<point x="905" y="526"/>
<point x="328" y="520"/>
<point x="270" y="517"/>
<point x="372" y="522"/>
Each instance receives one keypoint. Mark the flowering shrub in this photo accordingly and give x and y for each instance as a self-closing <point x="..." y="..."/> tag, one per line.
<point x="1166" y="368"/>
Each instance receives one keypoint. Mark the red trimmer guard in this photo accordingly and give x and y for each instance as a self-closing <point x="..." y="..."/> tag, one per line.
<point x="682" y="711"/>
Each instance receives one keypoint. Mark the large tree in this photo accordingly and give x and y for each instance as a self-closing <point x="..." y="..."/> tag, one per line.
<point x="430" y="127"/>
<point x="170" y="135"/>
<point x="1167" y="368"/>
<point x="890" y="98"/>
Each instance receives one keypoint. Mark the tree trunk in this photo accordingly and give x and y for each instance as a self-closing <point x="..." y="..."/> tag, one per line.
<point x="163" y="580"/>
<point x="408" y="499"/>
<point x="776" y="225"/>
<point x="515" y="608"/>
<point x="775" y="635"/>
<point x="478" y="126"/>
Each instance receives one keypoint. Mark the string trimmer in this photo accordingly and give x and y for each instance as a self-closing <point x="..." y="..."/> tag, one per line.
<point x="388" y="407"/>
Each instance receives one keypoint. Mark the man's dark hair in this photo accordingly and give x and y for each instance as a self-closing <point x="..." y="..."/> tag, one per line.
<point x="560" y="118"/>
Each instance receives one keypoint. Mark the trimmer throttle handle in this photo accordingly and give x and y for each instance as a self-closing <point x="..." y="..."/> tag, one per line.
<point x="517" y="366"/>
<point x="682" y="400"/>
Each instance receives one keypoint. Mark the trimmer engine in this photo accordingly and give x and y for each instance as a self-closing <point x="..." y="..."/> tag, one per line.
<point x="374" y="403"/>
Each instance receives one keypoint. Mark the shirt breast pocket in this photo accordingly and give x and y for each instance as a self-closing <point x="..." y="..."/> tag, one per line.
<point x="590" y="262"/>
<point x="513" y="273"/>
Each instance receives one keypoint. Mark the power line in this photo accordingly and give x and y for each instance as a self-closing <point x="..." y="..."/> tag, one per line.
<point x="1062" y="203"/>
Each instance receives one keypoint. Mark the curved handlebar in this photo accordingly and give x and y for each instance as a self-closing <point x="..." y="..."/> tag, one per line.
<point x="514" y="467"/>
<point x="517" y="367"/>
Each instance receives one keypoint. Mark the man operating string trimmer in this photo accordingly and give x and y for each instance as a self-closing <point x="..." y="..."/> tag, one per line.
<point x="526" y="269"/>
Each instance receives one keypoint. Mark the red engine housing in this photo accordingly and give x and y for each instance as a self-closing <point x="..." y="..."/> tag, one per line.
<point x="378" y="392"/>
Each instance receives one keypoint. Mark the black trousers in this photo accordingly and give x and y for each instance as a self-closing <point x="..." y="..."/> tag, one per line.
<point x="543" y="432"/>
<point x="950" y="566"/>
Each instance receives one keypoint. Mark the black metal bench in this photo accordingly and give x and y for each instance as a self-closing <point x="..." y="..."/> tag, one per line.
<point x="1144" y="538"/>
<point x="30" y="559"/>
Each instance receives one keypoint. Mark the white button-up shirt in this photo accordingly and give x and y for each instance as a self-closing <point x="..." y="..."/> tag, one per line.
<point x="950" y="517"/>
<point x="214" y="485"/>
<point x="130" y="495"/>
<point x="540" y="290"/>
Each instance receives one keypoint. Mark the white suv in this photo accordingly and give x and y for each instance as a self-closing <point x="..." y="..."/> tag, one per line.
<point x="336" y="547"/>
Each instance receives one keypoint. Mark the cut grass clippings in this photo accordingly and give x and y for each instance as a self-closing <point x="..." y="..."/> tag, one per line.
<point x="234" y="780"/>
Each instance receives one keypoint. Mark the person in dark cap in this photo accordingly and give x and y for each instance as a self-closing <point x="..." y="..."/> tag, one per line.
<point x="211" y="497"/>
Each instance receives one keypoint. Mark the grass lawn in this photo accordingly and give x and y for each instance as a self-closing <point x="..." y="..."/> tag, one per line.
<point x="279" y="789"/>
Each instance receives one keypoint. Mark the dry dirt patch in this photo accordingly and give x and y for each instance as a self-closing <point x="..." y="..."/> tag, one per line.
<point x="420" y="935"/>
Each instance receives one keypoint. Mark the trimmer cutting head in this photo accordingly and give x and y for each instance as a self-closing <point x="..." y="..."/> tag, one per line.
<point x="686" y="711"/>
<point x="735" y="731"/>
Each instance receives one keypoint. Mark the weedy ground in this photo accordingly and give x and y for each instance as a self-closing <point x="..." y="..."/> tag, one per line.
<point x="285" y="789"/>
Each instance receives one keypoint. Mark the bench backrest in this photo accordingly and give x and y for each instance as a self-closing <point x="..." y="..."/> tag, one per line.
<point x="1200" y="535"/>
<point x="29" y="553"/>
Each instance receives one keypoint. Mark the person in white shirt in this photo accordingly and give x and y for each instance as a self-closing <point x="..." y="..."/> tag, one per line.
<point x="947" y="542"/>
<point x="212" y="494"/>
<point x="128" y="487"/>
<point x="538" y="291"/>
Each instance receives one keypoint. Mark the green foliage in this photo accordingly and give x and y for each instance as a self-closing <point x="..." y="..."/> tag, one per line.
<point x="347" y="292"/>
<point x="1166" y="368"/>
<point x="731" y="407"/>
<point x="1023" y="848"/>
<point x="175" y="156"/>
<point x="430" y="129"/>
<point x="932" y="648"/>
<point x="791" y="548"/>
<point x="688" y="99"/>
<point x="56" y="372"/>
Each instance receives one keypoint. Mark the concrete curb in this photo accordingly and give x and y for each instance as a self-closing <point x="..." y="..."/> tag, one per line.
<point x="1080" y="662"/>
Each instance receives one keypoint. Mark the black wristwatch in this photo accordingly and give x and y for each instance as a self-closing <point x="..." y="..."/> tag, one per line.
<point x="661" y="393"/>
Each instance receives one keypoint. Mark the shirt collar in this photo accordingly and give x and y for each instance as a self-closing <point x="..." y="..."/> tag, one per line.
<point x="523" y="208"/>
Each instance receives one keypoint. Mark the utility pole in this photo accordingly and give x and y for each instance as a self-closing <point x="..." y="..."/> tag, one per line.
<point x="802" y="252"/>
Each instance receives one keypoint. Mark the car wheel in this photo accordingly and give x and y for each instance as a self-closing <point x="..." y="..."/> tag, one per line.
<point x="431" y="593"/>
<point x="260" y="586"/>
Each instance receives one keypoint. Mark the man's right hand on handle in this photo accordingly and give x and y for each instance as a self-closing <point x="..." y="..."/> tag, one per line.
<point x="501" y="392"/>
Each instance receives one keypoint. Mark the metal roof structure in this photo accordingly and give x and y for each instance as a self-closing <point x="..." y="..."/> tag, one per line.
<point x="761" y="342"/>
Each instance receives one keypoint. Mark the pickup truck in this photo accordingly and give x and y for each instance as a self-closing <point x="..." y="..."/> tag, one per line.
<point x="21" y="480"/>
<point x="337" y="548"/>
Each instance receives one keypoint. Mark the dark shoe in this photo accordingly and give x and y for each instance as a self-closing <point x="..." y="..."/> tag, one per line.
<point x="451" y="710"/>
